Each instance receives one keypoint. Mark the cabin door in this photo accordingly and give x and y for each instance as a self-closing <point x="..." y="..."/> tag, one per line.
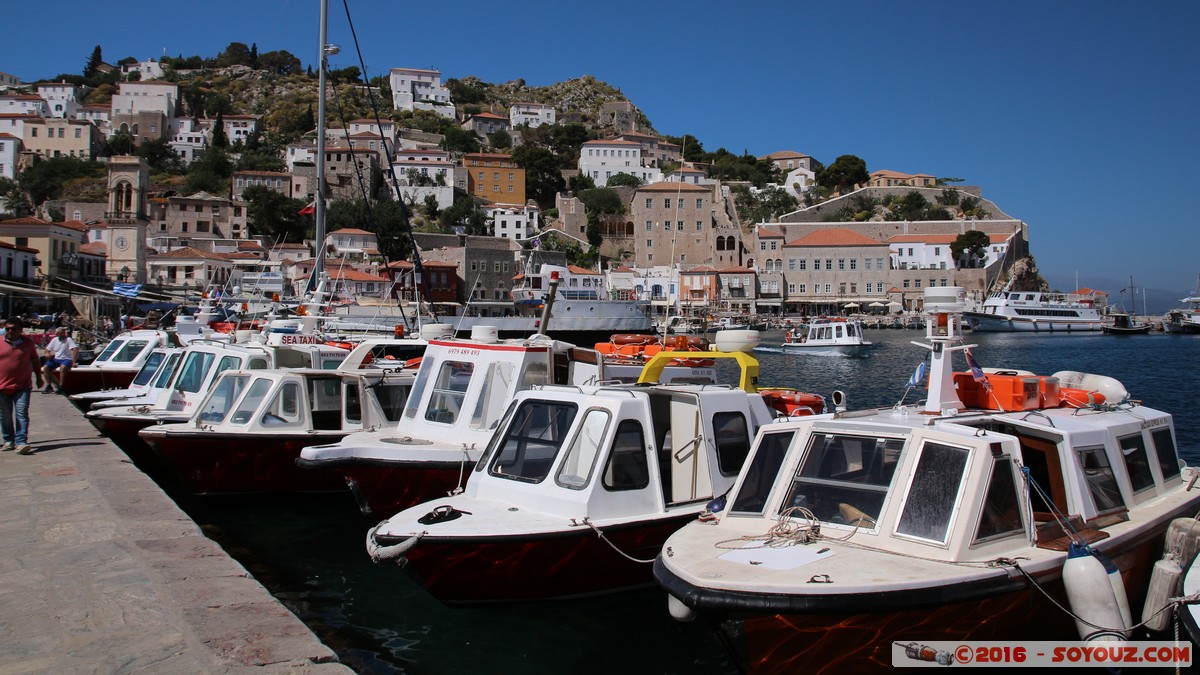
<point x="683" y="451"/>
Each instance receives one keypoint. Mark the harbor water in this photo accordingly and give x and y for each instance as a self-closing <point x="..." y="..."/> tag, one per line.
<point x="310" y="551"/>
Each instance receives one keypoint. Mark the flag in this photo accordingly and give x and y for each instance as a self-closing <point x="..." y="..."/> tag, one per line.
<point x="310" y="209"/>
<point x="917" y="376"/>
<point x="127" y="290"/>
<point x="976" y="371"/>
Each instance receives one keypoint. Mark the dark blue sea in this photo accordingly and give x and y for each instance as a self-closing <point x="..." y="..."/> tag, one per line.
<point x="310" y="552"/>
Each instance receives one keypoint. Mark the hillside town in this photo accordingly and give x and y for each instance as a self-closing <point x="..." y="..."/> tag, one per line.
<point x="678" y="242"/>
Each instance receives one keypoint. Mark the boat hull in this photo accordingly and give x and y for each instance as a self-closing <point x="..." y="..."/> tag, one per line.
<point x="835" y="350"/>
<point x="384" y="488"/>
<point x="83" y="379"/>
<point x="577" y="563"/>
<point x="855" y="633"/>
<point x="1003" y="324"/>
<point x="207" y="463"/>
<point x="123" y="430"/>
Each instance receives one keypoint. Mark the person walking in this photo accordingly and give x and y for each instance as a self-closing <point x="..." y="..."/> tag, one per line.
<point x="61" y="352"/>
<point x="18" y="365"/>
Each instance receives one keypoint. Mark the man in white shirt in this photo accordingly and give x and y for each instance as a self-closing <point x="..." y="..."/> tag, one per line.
<point x="61" y="352"/>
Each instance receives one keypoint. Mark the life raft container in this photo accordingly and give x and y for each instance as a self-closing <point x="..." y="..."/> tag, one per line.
<point x="342" y="345"/>
<point x="792" y="402"/>
<point x="632" y="339"/>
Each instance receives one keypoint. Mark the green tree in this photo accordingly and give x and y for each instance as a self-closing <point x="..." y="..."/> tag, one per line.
<point x="845" y="172"/>
<point x="763" y="206"/>
<point x="280" y="63"/>
<point x="627" y="179"/>
<point x="159" y="155"/>
<point x="580" y="182"/>
<point x="46" y="178"/>
<point x="432" y="210"/>
<point x="93" y="64"/>
<point x="974" y="244"/>
<point x="349" y="74"/>
<point x="465" y="211"/>
<point x="219" y="139"/>
<point x="910" y="206"/>
<point x="456" y="139"/>
<point x="254" y="55"/>
<point x="236" y="54"/>
<point x="210" y="173"/>
<point x="692" y="148"/>
<point x="13" y="203"/>
<point x="273" y="215"/>
<point x="120" y="143"/>
<point x="602" y="201"/>
<point x="501" y="140"/>
<point x="543" y="177"/>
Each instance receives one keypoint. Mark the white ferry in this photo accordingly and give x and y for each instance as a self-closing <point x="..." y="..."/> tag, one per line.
<point x="1008" y="311"/>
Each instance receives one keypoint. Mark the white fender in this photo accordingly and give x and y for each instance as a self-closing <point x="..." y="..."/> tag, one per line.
<point x="678" y="610"/>
<point x="1113" y="390"/>
<point x="1164" y="584"/>
<point x="1183" y="538"/>
<point x="1092" y="597"/>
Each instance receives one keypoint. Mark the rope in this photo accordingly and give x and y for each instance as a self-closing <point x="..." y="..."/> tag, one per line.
<point x="1058" y="515"/>
<point x="611" y="545"/>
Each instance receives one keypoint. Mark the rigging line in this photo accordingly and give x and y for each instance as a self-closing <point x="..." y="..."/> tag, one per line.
<point x="415" y="251"/>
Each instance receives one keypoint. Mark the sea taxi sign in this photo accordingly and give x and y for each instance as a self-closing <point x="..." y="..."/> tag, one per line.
<point x="293" y="339"/>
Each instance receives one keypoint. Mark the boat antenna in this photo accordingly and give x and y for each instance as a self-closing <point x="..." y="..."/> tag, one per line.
<point x="319" y="214"/>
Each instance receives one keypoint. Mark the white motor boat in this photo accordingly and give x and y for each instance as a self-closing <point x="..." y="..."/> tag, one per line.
<point x="952" y="520"/>
<point x="1032" y="311"/>
<point x="843" y="337"/>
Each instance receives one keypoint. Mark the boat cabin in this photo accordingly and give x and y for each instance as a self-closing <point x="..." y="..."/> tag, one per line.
<point x="128" y="350"/>
<point x="152" y="377"/>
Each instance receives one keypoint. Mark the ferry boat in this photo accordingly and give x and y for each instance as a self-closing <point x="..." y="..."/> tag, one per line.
<point x="580" y="485"/>
<point x="828" y="336"/>
<point x="849" y="534"/>
<point x="1186" y="320"/>
<point x="1019" y="311"/>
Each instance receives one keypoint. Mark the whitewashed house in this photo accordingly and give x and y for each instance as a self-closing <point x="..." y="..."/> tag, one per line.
<point x="188" y="139"/>
<point x="513" y="221"/>
<point x="62" y="99"/>
<point x="601" y="160"/>
<point x="10" y="150"/>
<point x="418" y="89"/>
<point x="420" y="173"/>
<point x="531" y="114"/>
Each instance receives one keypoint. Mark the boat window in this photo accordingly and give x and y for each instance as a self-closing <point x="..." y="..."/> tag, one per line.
<point x="325" y="401"/>
<point x="733" y="441"/>
<point x="130" y="351"/>
<point x="497" y="440"/>
<point x="191" y="374"/>
<point x="164" y="375"/>
<point x="153" y="361"/>
<point x="449" y="389"/>
<point x="109" y="350"/>
<point x="1164" y="446"/>
<point x="250" y="402"/>
<point x="418" y="389"/>
<point x="220" y="400"/>
<point x="331" y="364"/>
<point x="228" y="363"/>
<point x="576" y="469"/>
<point x="627" y="468"/>
<point x="391" y="397"/>
<point x="1101" y="482"/>
<point x="352" y="403"/>
<point x="1136" y="461"/>
<point x="844" y="478"/>
<point x="538" y="430"/>
<point x="1001" y="504"/>
<point x="285" y="407"/>
<point x="762" y="472"/>
<point x="493" y="396"/>
<point x="933" y="492"/>
<point x="257" y="363"/>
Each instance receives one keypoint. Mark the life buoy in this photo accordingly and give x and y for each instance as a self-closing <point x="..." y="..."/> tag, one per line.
<point x="1079" y="398"/>
<point x="788" y="336"/>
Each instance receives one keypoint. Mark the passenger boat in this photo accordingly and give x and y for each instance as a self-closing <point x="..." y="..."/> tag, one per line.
<point x="1124" y="324"/>
<point x="246" y="435"/>
<point x="145" y="387"/>
<point x="199" y="366"/>
<point x="1186" y="320"/>
<point x="461" y="391"/>
<point x="954" y="520"/>
<point x="828" y="336"/>
<point x="116" y="366"/>
<point x="1008" y="311"/>
<point x="579" y="486"/>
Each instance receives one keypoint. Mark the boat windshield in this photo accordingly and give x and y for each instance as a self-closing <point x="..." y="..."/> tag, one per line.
<point x="220" y="400"/>
<point x="129" y="351"/>
<point x="165" y="373"/>
<point x="254" y="397"/>
<point x="538" y="431"/>
<point x="844" y="478"/>
<point x="149" y="368"/>
<point x="494" y="395"/>
<point x="110" y="349"/>
<point x="449" y="390"/>
<point x="191" y="374"/>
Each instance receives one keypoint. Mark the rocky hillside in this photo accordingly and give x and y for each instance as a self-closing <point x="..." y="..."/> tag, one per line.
<point x="586" y="100"/>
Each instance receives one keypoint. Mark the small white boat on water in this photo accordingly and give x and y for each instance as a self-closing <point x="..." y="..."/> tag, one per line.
<point x="953" y="520"/>
<point x="827" y="336"/>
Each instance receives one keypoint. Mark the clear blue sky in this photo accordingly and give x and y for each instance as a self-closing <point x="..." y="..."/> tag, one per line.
<point x="1081" y="118"/>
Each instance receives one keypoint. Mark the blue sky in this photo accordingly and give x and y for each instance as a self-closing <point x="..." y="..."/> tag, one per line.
<point x="1078" y="117"/>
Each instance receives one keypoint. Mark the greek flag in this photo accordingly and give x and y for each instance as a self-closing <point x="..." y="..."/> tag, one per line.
<point x="127" y="290"/>
<point x="917" y="376"/>
<point x="976" y="371"/>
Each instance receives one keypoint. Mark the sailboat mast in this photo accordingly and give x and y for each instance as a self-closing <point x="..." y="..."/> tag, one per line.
<point x="319" y="214"/>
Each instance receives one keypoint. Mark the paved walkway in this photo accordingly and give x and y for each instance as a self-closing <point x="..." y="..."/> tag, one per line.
<point x="100" y="572"/>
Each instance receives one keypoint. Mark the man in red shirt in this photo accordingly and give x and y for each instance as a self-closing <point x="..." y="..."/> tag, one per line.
<point x="19" y="364"/>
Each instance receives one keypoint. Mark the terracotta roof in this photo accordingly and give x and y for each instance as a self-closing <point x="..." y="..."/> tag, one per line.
<point x="95" y="248"/>
<point x="250" y="246"/>
<point x="9" y="136"/>
<point x="30" y="220"/>
<point x="486" y="155"/>
<point x="672" y="186"/>
<point x="240" y="255"/>
<point x="189" y="252"/>
<point x="14" y="247"/>
<point x="784" y="154"/>
<point x="769" y="232"/>
<point x="350" y="274"/>
<point x="490" y="116"/>
<point x="575" y="269"/>
<point x="405" y="264"/>
<point x="887" y="173"/>
<point x="834" y="236"/>
<point x="291" y="245"/>
<point x="351" y="230"/>
<point x="19" y="116"/>
<point x="700" y="269"/>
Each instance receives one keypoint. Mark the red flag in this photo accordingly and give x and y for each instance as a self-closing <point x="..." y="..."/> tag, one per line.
<point x="310" y="209"/>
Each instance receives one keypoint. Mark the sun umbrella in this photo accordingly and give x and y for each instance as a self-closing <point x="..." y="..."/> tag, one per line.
<point x="850" y="304"/>
<point x="876" y="304"/>
<point x="894" y="304"/>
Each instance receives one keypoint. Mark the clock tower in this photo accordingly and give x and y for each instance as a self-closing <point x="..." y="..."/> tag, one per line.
<point x="128" y="180"/>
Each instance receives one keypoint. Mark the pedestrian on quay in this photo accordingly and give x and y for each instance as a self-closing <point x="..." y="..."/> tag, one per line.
<point x="61" y="352"/>
<point x="18" y="366"/>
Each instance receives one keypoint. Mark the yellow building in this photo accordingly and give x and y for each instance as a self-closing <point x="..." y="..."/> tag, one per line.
<point x="51" y="240"/>
<point x="494" y="177"/>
